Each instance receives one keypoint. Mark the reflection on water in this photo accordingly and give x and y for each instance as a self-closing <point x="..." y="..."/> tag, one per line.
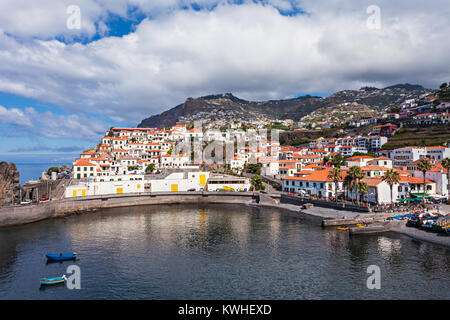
<point x="215" y="252"/>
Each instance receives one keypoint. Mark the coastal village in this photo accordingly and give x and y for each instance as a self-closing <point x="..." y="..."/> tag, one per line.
<point x="349" y="168"/>
<point x="352" y="177"/>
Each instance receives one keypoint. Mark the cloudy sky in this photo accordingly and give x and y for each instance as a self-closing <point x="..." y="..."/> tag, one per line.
<point x="61" y="86"/>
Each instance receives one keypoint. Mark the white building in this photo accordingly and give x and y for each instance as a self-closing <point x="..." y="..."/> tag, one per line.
<point x="107" y="185"/>
<point x="179" y="182"/>
<point x="225" y="182"/>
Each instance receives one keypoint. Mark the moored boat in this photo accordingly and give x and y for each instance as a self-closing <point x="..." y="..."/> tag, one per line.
<point x="52" y="281"/>
<point x="61" y="256"/>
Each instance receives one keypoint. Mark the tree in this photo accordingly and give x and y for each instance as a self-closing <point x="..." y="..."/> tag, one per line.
<point x="335" y="175"/>
<point x="338" y="161"/>
<point x="446" y="165"/>
<point x="52" y="169"/>
<point x="363" y="189"/>
<point x="253" y="167"/>
<point x="133" y="140"/>
<point x="357" y="174"/>
<point x="326" y="160"/>
<point x="150" y="168"/>
<point x="257" y="183"/>
<point x="444" y="86"/>
<point x="348" y="182"/>
<point x="391" y="177"/>
<point x="424" y="165"/>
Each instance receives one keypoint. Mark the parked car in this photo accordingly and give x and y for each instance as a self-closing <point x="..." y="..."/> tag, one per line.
<point x="193" y="189"/>
<point x="25" y="202"/>
<point x="44" y="198"/>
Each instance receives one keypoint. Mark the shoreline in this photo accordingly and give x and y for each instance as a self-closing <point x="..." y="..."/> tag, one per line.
<point x="62" y="208"/>
<point x="410" y="232"/>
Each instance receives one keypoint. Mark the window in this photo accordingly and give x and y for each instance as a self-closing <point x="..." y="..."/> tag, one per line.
<point x="400" y="189"/>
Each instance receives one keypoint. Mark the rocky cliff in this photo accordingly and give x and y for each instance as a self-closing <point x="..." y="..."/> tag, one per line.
<point x="9" y="183"/>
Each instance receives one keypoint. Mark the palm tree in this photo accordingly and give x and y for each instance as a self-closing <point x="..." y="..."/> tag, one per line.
<point x="335" y="175"/>
<point x="357" y="174"/>
<point x="391" y="177"/>
<point x="424" y="165"/>
<point x="446" y="165"/>
<point x="348" y="182"/>
<point x="257" y="183"/>
<point x="363" y="189"/>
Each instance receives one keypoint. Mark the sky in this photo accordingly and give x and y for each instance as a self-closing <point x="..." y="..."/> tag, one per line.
<point x="71" y="69"/>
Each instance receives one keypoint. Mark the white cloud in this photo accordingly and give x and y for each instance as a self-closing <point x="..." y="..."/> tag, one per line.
<point x="250" y="50"/>
<point x="31" y="123"/>
<point x="14" y="116"/>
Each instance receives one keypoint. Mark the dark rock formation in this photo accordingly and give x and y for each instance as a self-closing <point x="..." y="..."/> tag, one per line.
<point x="9" y="184"/>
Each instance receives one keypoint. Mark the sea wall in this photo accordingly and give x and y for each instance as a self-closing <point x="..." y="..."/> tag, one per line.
<point x="324" y="204"/>
<point x="17" y="215"/>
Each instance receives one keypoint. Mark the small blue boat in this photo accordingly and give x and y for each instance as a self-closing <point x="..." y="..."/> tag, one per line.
<point x="52" y="281"/>
<point x="61" y="256"/>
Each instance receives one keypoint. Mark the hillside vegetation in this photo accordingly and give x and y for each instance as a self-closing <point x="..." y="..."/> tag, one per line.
<point x="436" y="135"/>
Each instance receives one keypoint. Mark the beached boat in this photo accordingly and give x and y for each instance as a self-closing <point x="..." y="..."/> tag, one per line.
<point x="342" y="228"/>
<point x="52" y="281"/>
<point x="61" y="256"/>
<point x="362" y="225"/>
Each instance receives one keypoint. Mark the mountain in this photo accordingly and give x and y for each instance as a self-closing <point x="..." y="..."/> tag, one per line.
<point x="406" y="86"/>
<point x="227" y="107"/>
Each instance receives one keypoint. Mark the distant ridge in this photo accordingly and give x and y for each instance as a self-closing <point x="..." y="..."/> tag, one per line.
<point x="228" y="107"/>
<point x="406" y="86"/>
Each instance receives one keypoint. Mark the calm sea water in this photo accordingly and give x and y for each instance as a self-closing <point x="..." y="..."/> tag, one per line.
<point x="33" y="171"/>
<point x="31" y="166"/>
<point x="215" y="252"/>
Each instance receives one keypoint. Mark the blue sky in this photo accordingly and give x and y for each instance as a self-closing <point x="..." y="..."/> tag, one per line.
<point x="61" y="88"/>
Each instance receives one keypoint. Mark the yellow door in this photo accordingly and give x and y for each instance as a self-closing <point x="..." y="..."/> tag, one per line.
<point x="74" y="193"/>
<point x="174" y="188"/>
<point x="202" y="179"/>
<point x="119" y="190"/>
<point x="83" y="192"/>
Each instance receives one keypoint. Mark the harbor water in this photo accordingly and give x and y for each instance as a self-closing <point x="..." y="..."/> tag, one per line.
<point x="215" y="252"/>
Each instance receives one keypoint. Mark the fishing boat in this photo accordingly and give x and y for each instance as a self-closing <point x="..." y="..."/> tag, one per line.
<point x="61" y="256"/>
<point x="53" y="281"/>
<point x="342" y="228"/>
